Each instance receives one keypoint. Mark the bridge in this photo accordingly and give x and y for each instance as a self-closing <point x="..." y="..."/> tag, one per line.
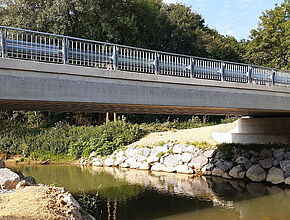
<point x="42" y="71"/>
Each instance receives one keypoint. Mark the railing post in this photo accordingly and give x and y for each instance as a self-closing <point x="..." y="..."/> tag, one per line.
<point x="3" y="44"/>
<point x="222" y="71"/>
<point x="191" y="67"/>
<point x="249" y="74"/>
<point x="273" y="77"/>
<point x="64" y="51"/>
<point x="156" y="63"/>
<point x="115" y="58"/>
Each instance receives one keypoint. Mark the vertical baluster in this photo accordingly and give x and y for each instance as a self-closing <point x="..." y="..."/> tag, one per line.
<point x="156" y="63"/>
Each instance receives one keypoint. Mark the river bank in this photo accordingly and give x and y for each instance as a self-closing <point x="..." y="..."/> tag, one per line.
<point x="257" y="163"/>
<point x="22" y="198"/>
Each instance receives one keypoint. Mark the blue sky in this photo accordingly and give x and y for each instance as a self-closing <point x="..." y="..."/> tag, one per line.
<point x="230" y="17"/>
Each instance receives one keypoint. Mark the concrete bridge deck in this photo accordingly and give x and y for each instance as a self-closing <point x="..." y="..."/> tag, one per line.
<point x="30" y="85"/>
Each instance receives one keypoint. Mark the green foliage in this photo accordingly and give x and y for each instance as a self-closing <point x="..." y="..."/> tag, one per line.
<point x="226" y="150"/>
<point x="45" y="143"/>
<point x="270" y="41"/>
<point x="143" y="23"/>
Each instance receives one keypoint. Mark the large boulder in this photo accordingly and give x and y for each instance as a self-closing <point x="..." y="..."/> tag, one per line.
<point x="184" y="169"/>
<point x="8" y="179"/>
<point x="29" y="179"/>
<point x="144" y="166"/>
<point x="179" y="148"/>
<point x="209" y="153"/>
<point x="287" y="181"/>
<point x="199" y="161"/>
<point x="158" y="167"/>
<point x="186" y="157"/>
<point x="278" y="153"/>
<point x="237" y="172"/>
<point x="98" y="162"/>
<point x="256" y="173"/>
<point x="275" y="176"/>
<point x="109" y="162"/>
<point x="285" y="165"/>
<point x="152" y="159"/>
<point x="266" y="163"/>
<point x="171" y="161"/>
<point x="266" y="153"/>
<point x="119" y="159"/>
<point x="158" y="150"/>
<point x="2" y="164"/>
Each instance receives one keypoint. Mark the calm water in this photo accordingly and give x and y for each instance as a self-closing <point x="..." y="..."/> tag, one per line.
<point x="130" y="194"/>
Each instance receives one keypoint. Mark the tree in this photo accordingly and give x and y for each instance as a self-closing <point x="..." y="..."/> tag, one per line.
<point x="270" y="42"/>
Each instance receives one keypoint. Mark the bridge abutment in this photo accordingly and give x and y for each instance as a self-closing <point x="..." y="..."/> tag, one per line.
<point x="258" y="130"/>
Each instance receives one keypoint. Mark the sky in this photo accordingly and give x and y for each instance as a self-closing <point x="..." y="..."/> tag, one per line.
<point x="230" y="17"/>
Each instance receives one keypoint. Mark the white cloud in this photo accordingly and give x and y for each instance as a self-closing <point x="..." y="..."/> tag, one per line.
<point x="169" y="1"/>
<point x="229" y="33"/>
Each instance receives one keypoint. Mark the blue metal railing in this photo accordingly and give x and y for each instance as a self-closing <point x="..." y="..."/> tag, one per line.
<point x="33" y="45"/>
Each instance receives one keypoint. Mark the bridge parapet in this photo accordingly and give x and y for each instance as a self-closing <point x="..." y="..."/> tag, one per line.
<point x="44" y="47"/>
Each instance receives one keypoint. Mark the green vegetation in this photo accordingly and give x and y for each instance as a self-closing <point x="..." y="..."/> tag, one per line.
<point x="227" y="149"/>
<point x="66" y="142"/>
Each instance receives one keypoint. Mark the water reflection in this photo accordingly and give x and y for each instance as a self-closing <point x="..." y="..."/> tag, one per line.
<point x="131" y="194"/>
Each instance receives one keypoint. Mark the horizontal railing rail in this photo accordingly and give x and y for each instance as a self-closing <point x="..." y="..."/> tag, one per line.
<point x="45" y="47"/>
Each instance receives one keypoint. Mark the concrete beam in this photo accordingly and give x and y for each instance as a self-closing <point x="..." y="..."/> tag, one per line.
<point x="258" y="130"/>
<point x="28" y="85"/>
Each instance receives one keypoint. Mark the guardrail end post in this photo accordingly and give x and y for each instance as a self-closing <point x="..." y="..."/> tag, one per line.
<point x="3" y="44"/>
<point x="156" y="63"/>
<point x="249" y="75"/>
<point x="115" y="58"/>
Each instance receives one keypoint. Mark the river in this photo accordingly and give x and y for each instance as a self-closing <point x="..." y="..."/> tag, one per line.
<point x="138" y="195"/>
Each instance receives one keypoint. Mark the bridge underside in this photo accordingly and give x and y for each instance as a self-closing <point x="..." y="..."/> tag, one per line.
<point x="20" y="105"/>
<point x="28" y="85"/>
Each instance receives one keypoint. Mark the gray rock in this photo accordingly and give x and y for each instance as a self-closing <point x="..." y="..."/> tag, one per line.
<point x="69" y="199"/>
<point x="266" y="153"/>
<point x="135" y="165"/>
<point x="255" y="160"/>
<point x="145" y="151"/>
<point x="197" y="153"/>
<point x="124" y="165"/>
<point x="278" y="153"/>
<point x="287" y="174"/>
<point x="276" y="163"/>
<point x="254" y="153"/>
<point x="242" y="160"/>
<point x="29" y="179"/>
<point x="190" y="149"/>
<point x="2" y="164"/>
<point x="8" y="179"/>
<point x="229" y="164"/>
<point x="287" y="156"/>
<point x="222" y="165"/>
<point x="170" y="169"/>
<point x="141" y="158"/>
<point x="98" y="162"/>
<point x="171" y="161"/>
<point x="179" y="148"/>
<point x="285" y="165"/>
<point x="198" y="162"/>
<point x="144" y="166"/>
<point x="186" y="157"/>
<point x="119" y="160"/>
<point x="184" y="169"/>
<point x="158" y="150"/>
<point x="237" y="172"/>
<point x="287" y="181"/>
<point x="248" y="164"/>
<point x="266" y="163"/>
<point x="217" y="172"/>
<point x="152" y="159"/>
<point x="206" y="173"/>
<point x="209" y="153"/>
<point x="109" y="162"/>
<point x="209" y="167"/>
<point x="23" y="183"/>
<point x="275" y="176"/>
<point x="158" y="167"/>
<point x="93" y="154"/>
<point x="256" y="173"/>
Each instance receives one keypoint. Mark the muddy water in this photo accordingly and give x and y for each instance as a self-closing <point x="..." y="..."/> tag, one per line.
<point x="112" y="193"/>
